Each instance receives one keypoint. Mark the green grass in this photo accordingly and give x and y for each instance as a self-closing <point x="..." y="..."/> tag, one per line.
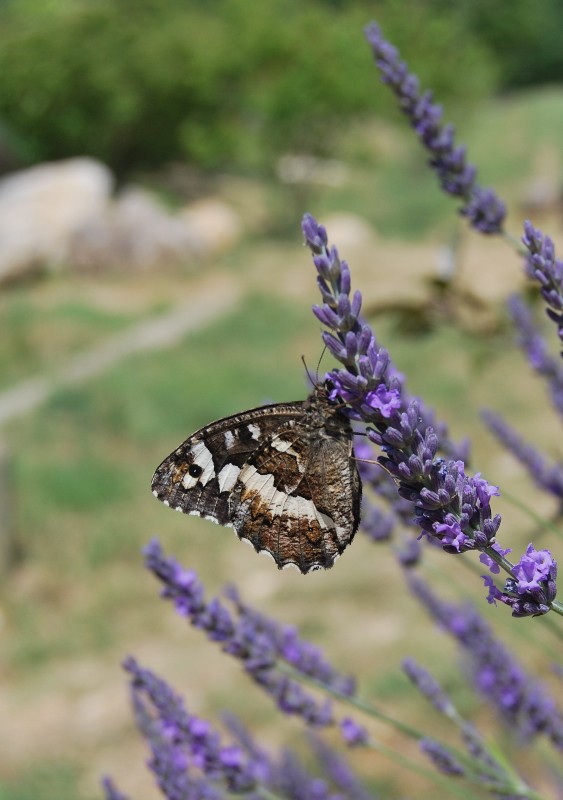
<point x="42" y="335"/>
<point x="42" y="782"/>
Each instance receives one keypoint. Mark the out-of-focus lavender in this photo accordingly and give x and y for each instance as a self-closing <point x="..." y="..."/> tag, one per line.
<point x="189" y="758"/>
<point x="535" y="347"/>
<point x="484" y="210"/>
<point x="258" y="642"/>
<point x="548" y="476"/>
<point x="190" y="761"/>
<point x="521" y="700"/>
<point x="543" y="266"/>
<point x="441" y="758"/>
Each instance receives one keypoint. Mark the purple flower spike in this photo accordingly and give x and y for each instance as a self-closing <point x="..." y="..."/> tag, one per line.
<point x="427" y="685"/>
<point x="256" y="641"/>
<point x="449" y="506"/>
<point x="535" y="347"/>
<point x="522" y="702"/>
<point x="339" y="771"/>
<point x="548" y="476"/>
<point x="180" y="740"/>
<point x="542" y="265"/>
<point x="484" y="210"/>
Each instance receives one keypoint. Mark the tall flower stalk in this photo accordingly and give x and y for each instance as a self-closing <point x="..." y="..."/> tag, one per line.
<point x="449" y="506"/>
<point x="458" y="178"/>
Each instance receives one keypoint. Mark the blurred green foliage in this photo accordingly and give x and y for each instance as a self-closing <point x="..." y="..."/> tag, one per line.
<point x="48" y="781"/>
<point x="215" y="83"/>
<point x="524" y="37"/>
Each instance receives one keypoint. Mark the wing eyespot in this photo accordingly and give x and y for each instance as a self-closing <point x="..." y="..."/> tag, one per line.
<point x="194" y="470"/>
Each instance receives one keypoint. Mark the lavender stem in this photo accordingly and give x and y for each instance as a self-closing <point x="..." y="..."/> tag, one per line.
<point x="408" y="730"/>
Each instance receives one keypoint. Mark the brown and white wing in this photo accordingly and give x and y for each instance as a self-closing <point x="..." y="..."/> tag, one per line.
<point x="298" y="498"/>
<point x="200" y="475"/>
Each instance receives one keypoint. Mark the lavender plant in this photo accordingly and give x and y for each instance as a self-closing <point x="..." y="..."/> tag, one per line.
<point x="418" y="488"/>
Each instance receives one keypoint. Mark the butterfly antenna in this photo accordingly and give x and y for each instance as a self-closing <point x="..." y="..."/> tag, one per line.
<point x="313" y="383"/>
<point x="319" y="363"/>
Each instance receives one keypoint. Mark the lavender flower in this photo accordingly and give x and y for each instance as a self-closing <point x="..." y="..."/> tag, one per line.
<point x="258" y="642"/>
<point x="263" y="765"/>
<point x="542" y="265"/>
<point x="521" y="702"/>
<point x="449" y="505"/>
<point x="533" y="588"/>
<point x="190" y="761"/>
<point x="482" y="207"/>
<point x="547" y="476"/>
<point x="334" y="766"/>
<point x="482" y="765"/>
<point x="534" y="344"/>
<point x="181" y="742"/>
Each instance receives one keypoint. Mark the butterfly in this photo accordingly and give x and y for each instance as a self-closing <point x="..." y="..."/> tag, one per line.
<point x="283" y="476"/>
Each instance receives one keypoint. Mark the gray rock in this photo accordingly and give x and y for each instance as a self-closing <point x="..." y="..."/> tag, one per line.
<point x="42" y="207"/>
<point x="135" y="233"/>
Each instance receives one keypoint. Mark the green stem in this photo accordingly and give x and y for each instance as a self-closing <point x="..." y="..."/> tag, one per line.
<point x="514" y="242"/>
<point x="414" y="733"/>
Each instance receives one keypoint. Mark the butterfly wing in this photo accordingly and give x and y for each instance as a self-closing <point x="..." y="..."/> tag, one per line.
<point x="200" y="475"/>
<point x="280" y="475"/>
<point x="298" y="498"/>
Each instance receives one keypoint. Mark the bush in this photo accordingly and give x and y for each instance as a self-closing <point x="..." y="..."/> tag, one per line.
<point x="229" y="83"/>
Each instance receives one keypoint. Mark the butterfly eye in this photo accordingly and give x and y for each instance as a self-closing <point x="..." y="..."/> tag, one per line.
<point x="195" y="470"/>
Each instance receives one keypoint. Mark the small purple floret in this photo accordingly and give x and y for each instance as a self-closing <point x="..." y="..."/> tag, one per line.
<point x="533" y="587"/>
<point x="354" y="735"/>
<point x="486" y="559"/>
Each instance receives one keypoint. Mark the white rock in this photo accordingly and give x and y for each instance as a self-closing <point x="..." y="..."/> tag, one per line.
<point x="349" y="231"/>
<point x="42" y="207"/>
<point x="214" y="223"/>
<point x="135" y="233"/>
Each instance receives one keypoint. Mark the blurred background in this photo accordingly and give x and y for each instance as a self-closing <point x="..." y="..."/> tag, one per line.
<point x="156" y="158"/>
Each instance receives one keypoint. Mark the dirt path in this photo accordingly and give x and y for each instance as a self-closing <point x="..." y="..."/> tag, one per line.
<point x="214" y="297"/>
